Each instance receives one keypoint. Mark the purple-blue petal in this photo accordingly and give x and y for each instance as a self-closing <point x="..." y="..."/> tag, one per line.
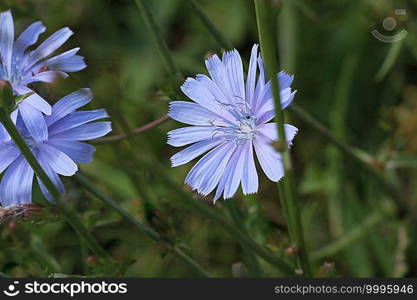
<point x="44" y="162"/>
<point x="193" y="114"/>
<point x="233" y="173"/>
<point x="85" y="132"/>
<point x="8" y="154"/>
<point x="251" y="79"/>
<point x="37" y="102"/>
<point x="51" y="44"/>
<point x="16" y="184"/>
<point x="270" y="131"/>
<point x="34" y="121"/>
<point x="204" y="91"/>
<point x="6" y="40"/>
<point x="250" y="176"/>
<point x="47" y="76"/>
<point x="58" y="160"/>
<point x="188" y="135"/>
<point x="234" y="72"/>
<point x="193" y="151"/>
<point x="68" y="104"/>
<point x="206" y="173"/>
<point x="79" y="152"/>
<point x="75" y="119"/>
<point x="67" y="62"/>
<point x="218" y="74"/>
<point x="269" y="159"/>
<point x="28" y="37"/>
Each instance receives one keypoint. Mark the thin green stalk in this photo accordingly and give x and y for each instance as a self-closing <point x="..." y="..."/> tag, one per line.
<point x="150" y="232"/>
<point x="338" y="120"/>
<point x="68" y="214"/>
<point x="186" y="259"/>
<point x="161" y="46"/>
<point x="288" y="36"/>
<point x="239" y="221"/>
<point x="389" y="61"/>
<point x="217" y="35"/>
<point x="84" y="256"/>
<point x="86" y="184"/>
<point x="355" y="234"/>
<point x="265" y="18"/>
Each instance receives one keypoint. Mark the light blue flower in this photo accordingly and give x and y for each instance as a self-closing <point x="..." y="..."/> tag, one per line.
<point x="21" y="66"/>
<point x="230" y="120"/>
<point x="58" y="154"/>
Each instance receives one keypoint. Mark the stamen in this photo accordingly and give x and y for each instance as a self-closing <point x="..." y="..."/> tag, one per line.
<point x="244" y="128"/>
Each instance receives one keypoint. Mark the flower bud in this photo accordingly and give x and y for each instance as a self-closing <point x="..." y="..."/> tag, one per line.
<point x="30" y="212"/>
<point x="6" y="95"/>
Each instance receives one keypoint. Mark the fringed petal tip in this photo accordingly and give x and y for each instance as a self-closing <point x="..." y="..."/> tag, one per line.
<point x="291" y="142"/>
<point x="277" y="179"/>
<point x="173" y="163"/>
<point x="286" y="74"/>
<point x="170" y="140"/>
<point x="250" y="193"/>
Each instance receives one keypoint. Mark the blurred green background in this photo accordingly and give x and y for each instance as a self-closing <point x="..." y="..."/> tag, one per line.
<point x="362" y="89"/>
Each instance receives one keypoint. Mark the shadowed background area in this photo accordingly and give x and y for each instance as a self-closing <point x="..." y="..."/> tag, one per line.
<point x="362" y="89"/>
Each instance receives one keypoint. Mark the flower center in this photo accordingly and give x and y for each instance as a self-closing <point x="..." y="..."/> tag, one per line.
<point x="244" y="127"/>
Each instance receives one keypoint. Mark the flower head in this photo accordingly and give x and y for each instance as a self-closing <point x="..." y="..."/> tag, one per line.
<point x="230" y="121"/>
<point x="21" y="66"/>
<point x="58" y="153"/>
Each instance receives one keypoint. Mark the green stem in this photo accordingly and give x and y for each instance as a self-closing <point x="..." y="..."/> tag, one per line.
<point x="186" y="259"/>
<point x="335" y="170"/>
<point x="161" y="46"/>
<point x="85" y="183"/>
<point x="265" y="18"/>
<point x="239" y="221"/>
<point x="217" y="35"/>
<point x="68" y="214"/>
<point x="389" y="60"/>
<point x="150" y="232"/>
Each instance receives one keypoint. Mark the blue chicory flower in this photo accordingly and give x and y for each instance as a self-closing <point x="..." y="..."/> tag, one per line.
<point x="231" y="121"/>
<point x="58" y="153"/>
<point x="21" y="66"/>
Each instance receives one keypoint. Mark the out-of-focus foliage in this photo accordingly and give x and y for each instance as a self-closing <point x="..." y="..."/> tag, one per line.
<point x="329" y="47"/>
